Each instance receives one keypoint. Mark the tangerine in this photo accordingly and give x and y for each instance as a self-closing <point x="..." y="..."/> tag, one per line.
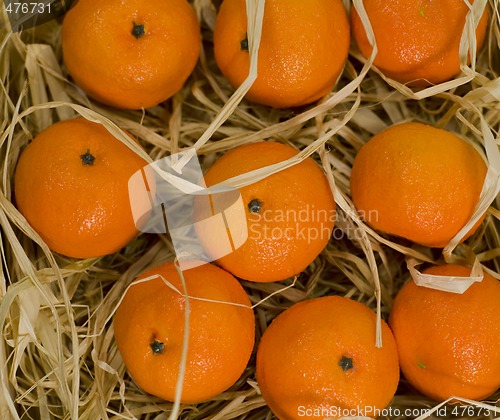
<point x="289" y="215"/>
<point x="130" y="54"/>
<point x="318" y="359"/>
<point x="149" y="331"/>
<point x="418" y="41"/>
<point x="418" y="182"/>
<point x="303" y="49"/>
<point x="71" y="185"/>
<point x="449" y="343"/>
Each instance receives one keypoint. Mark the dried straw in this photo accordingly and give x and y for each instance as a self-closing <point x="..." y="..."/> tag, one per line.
<point x="58" y="359"/>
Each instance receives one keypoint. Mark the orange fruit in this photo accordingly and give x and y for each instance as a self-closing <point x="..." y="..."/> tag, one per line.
<point x="130" y="54"/>
<point x="71" y="184"/>
<point x="149" y="332"/>
<point x="418" y="40"/>
<point x="302" y="52"/>
<point x="418" y="182"/>
<point x="318" y="359"/>
<point x="448" y="343"/>
<point x="289" y="215"/>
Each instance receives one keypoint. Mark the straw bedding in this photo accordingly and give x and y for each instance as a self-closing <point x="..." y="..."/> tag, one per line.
<point x="58" y="359"/>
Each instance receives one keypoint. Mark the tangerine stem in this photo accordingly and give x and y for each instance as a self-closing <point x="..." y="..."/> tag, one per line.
<point x="157" y="346"/>
<point x="87" y="158"/>
<point x="346" y="363"/>
<point x="244" y="44"/>
<point x="254" y="206"/>
<point x="138" y="30"/>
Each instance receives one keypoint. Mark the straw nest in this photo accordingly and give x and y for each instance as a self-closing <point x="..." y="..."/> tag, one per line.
<point x="58" y="359"/>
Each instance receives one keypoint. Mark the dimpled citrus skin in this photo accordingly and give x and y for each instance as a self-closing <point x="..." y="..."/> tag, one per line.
<point x="299" y="354"/>
<point x="418" y="182"/>
<point x="115" y="67"/>
<point x="303" y="49"/>
<point x="295" y="221"/>
<point x="448" y="343"/>
<point x="221" y="336"/>
<point x="418" y="40"/>
<point x="79" y="210"/>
